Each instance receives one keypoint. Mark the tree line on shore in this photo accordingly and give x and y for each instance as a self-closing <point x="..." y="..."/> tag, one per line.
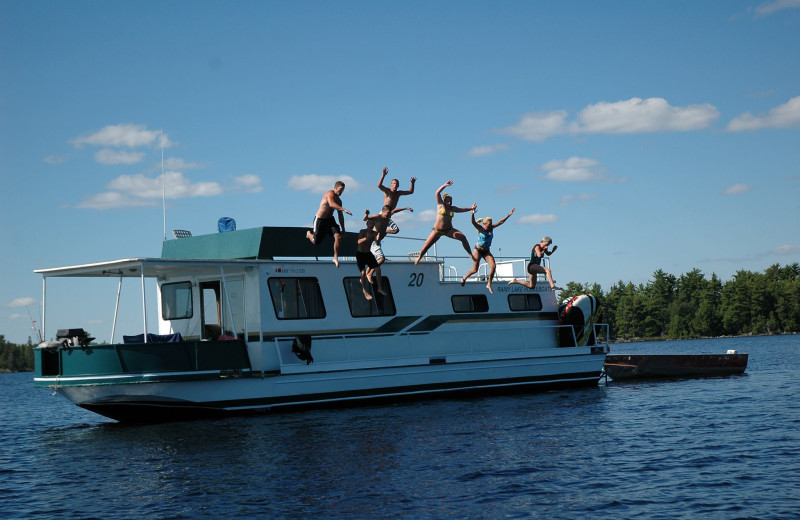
<point x="667" y="307"/>
<point x="694" y="306"/>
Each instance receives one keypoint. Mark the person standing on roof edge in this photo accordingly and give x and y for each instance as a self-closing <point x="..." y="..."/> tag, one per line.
<point x="324" y="223"/>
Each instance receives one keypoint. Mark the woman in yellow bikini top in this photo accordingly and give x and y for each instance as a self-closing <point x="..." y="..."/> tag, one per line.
<point x="444" y="222"/>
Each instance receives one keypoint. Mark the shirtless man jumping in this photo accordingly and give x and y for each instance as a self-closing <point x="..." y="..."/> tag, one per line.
<point x="392" y="194"/>
<point x="324" y="223"/>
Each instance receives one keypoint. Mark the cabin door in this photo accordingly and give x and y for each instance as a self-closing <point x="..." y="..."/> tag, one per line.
<point x="217" y="318"/>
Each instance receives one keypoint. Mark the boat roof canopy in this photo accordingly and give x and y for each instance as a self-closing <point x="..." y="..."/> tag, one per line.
<point x="236" y="248"/>
<point x="136" y="267"/>
<point x="263" y="243"/>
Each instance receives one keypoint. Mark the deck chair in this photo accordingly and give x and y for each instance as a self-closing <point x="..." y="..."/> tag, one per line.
<point x="181" y="233"/>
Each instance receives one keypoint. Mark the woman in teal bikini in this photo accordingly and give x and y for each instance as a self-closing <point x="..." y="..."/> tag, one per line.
<point x="444" y="222"/>
<point x="482" y="248"/>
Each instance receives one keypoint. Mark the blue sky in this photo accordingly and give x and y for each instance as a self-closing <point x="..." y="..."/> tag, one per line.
<point x="639" y="135"/>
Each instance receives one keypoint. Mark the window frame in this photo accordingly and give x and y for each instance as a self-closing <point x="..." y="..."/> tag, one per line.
<point x="355" y="282"/>
<point x="317" y="292"/>
<point x="164" y="301"/>
<point x="473" y="298"/>
<point x="527" y="298"/>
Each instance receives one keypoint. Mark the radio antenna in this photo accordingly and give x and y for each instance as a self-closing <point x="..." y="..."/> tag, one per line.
<point x="163" y="186"/>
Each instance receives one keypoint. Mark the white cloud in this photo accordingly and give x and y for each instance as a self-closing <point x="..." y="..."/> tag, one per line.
<point x="321" y="183"/>
<point x="113" y="200"/>
<point x="569" y="199"/>
<point x="787" y="250"/>
<point x="480" y="151"/>
<point x="427" y="216"/>
<point x="538" y="219"/>
<point x="630" y="116"/>
<point x="248" y="183"/>
<point x="175" y="186"/>
<point x="783" y="116"/>
<point x="141" y="190"/>
<point x="636" y="115"/>
<point x="538" y="126"/>
<point x="767" y="8"/>
<point x="737" y="189"/>
<point x="576" y="169"/>
<point x="22" y="302"/>
<point x="108" y="156"/>
<point x="177" y="164"/>
<point x="123" y="135"/>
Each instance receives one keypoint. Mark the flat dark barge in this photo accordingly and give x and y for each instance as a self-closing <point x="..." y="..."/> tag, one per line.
<point x="649" y="366"/>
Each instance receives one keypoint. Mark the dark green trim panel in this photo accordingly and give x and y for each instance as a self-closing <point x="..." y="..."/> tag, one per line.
<point x="139" y="358"/>
<point x="433" y="322"/>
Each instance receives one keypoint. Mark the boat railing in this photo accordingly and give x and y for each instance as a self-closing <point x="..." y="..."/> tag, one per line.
<point x="418" y="348"/>
<point x="602" y="330"/>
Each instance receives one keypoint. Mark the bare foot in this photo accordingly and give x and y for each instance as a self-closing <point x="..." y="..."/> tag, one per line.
<point x="367" y="295"/>
<point x="463" y="280"/>
<point x="513" y="280"/>
<point x="554" y="288"/>
<point x="382" y="291"/>
<point x="416" y="261"/>
<point x="310" y="236"/>
<point x="336" y="261"/>
<point x="488" y="286"/>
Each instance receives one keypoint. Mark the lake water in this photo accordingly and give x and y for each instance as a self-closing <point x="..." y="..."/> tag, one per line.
<point x="709" y="448"/>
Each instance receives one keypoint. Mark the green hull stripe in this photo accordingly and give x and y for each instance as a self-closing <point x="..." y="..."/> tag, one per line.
<point x="433" y="322"/>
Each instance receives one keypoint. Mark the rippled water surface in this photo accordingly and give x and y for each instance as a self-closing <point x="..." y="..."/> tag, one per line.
<point x="693" y="448"/>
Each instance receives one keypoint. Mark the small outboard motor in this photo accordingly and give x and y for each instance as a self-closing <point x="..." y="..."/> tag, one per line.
<point x="73" y="337"/>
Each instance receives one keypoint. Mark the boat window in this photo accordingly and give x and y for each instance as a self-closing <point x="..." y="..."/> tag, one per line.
<point x="360" y="307"/>
<point x="176" y="301"/>
<point x="296" y="298"/>
<point x="524" y="302"/>
<point x="470" y="303"/>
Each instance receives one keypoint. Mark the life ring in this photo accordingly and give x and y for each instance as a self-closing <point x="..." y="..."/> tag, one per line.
<point x="582" y="313"/>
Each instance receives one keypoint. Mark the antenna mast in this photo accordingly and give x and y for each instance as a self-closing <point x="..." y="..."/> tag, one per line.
<point x="163" y="186"/>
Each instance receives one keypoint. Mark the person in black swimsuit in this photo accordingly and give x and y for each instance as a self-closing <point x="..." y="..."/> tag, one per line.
<point x="535" y="266"/>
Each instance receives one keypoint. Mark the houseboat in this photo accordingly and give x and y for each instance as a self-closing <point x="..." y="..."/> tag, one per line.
<point x="254" y="320"/>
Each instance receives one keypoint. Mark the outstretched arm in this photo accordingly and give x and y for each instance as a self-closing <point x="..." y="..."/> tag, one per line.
<point x="410" y="190"/>
<point x="462" y="210"/>
<point x="475" y="224"/>
<point x="398" y="210"/>
<point x="380" y="182"/>
<point x="500" y="222"/>
<point x="333" y="204"/>
<point x="440" y="190"/>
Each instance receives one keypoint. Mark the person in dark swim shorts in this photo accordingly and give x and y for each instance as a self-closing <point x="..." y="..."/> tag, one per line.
<point x="365" y="259"/>
<point x="324" y="223"/>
